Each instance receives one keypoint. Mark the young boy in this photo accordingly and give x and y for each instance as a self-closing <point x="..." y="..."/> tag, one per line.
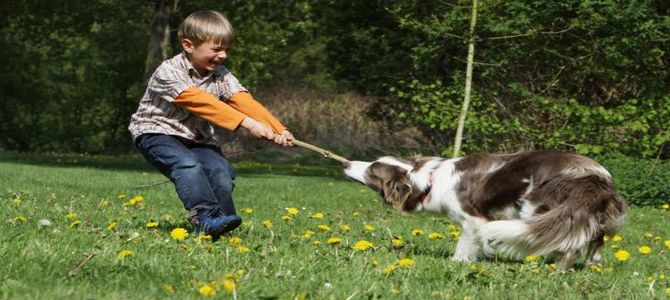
<point x="188" y="98"/>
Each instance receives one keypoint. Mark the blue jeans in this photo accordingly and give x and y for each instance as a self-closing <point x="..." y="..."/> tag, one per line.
<point x="202" y="176"/>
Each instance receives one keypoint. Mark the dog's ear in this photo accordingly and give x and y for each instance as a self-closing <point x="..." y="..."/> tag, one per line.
<point x="397" y="190"/>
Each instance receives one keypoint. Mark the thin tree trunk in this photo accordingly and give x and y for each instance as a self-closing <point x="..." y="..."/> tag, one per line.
<point x="159" y="40"/>
<point x="468" y="81"/>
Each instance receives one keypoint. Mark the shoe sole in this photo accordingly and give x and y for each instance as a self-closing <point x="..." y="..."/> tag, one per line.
<point x="226" y="228"/>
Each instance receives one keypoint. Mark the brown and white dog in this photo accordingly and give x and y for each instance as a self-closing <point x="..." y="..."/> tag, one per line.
<point x="529" y="203"/>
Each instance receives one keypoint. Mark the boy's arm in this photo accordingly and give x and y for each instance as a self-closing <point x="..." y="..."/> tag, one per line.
<point x="245" y="103"/>
<point x="208" y="107"/>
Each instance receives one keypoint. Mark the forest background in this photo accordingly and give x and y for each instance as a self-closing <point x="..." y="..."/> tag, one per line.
<point x="359" y="77"/>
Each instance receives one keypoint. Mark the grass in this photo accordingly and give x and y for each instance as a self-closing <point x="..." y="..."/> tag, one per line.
<point x="82" y="196"/>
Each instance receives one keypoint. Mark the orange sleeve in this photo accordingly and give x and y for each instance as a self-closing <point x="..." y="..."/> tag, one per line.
<point x="210" y="108"/>
<point x="246" y="104"/>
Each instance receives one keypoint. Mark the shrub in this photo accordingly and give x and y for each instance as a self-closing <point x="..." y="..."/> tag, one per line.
<point x="642" y="182"/>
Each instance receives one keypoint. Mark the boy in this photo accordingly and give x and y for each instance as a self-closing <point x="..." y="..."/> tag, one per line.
<point x="188" y="98"/>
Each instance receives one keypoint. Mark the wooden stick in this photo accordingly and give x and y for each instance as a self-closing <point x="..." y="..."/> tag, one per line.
<point x="80" y="265"/>
<point x="323" y="152"/>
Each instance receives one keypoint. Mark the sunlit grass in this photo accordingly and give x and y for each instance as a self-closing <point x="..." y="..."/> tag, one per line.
<point x="304" y="235"/>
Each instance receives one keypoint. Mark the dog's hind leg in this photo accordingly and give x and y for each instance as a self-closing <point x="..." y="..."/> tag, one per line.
<point x="469" y="247"/>
<point x="593" y="253"/>
<point x="567" y="260"/>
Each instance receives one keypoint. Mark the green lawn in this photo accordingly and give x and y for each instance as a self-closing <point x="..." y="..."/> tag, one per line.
<point x="83" y="198"/>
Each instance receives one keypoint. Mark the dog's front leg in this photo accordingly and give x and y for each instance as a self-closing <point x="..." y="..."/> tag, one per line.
<point x="469" y="246"/>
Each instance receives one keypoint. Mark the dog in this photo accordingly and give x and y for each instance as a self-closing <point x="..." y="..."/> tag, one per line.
<point x="544" y="203"/>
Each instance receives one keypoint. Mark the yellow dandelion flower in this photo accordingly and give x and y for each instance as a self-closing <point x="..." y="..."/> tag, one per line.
<point x="621" y="255"/>
<point x="666" y="206"/>
<point x="405" y="263"/>
<point x="112" y="226"/>
<point x="606" y="238"/>
<point x="362" y="245"/>
<point x="104" y="202"/>
<point x="316" y="243"/>
<point x="416" y="232"/>
<point x="388" y="270"/>
<point x="267" y="223"/>
<point x="248" y="210"/>
<point x="287" y="218"/>
<point x="648" y="235"/>
<point x="179" y="234"/>
<point x="168" y="288"/>
<point x="324" y="228"/>
<point x="661" y="277"/>
<point x="203" y="237"/>
<point x="355" y="214"/>
<point x="308" y="234"/>
<point x="617" y="238"/>
<point x="369" y="227"/>
<point x="531" y="259"/>
<point x="243" y="249"/>
<point x="615" y="246"/>
<point x="435" y="235"/>
<point x="71" y="216"/>
<point x="644" y="250"/>
<point x="345" y="228"/>
<point x="667" y="243"/>
<point x="152" y="225"/>
<point x="317" y="216"/>
<point x="667" y="291"/>
<point x="19" y="219"/>
<point x="16" y="201"/>
<point x="229" y="286"/>
<point x="123" y="254"/>
<point x="207" y="290"/>
<point x="121" y="196"/>
<point x="455" y="234"/>
<point x="235" y="240"/>
<point x="75" y="224"/>
<point x="292" y="211"/>
<point x="334" y="241"/>
<point x="397" y="243"/>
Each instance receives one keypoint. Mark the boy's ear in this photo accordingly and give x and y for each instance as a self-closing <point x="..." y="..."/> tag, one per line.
<point x="187" y="45"/>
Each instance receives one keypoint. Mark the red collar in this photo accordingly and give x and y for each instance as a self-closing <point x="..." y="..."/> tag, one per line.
<point x="423" y="196"/>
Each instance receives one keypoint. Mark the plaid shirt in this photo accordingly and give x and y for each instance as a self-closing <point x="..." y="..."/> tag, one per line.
<point x="157" y="112"/>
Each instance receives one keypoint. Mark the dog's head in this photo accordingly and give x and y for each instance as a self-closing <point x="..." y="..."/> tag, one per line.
<point x="388" y="176"/>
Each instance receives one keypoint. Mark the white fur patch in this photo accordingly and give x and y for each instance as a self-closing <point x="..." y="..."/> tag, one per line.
<point x="356" y="170"/>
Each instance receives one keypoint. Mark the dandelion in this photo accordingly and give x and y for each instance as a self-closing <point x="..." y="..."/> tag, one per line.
<point x="179" y="234"/>
<point x="104" y="202"/>
<point x="644" y="250"/>
<point x="369" y="228"/>
<point x="229" y="286"/>
<point x="203" y="237"/>
<point x="666" y="206"/>
<point x="16" y="201"/>
<point x="316" y="243"/>
<point x="308" y="234"/>
<point x="75" y="224"/>
<point x="243" y="249"/>
<point x="324" y="227"/>
<point x="362" y="245"/>
<point x="19" y="219"/>
<point x="667" y="243"/>
<point x="123" y="254"/>
<point x="235" y="240"/>
<point x="334" y="241"/>
<point x="267" y="223"/>
<point x="435" y="235"/>
<point x="207" y="290"/>
<point x="287" y="218"/>
<point x="617" y="238"/>
<point x="621" y="255"/>
<point x="648" y="235"/>
<point x="71" y="216"/>
<point x="416" y="232"/>
<point x="531" y="259"/>
<point x="248" y="210"/>
<point x="168" y="288"/>
<point x="152" y="225"/>
<point x="455" y="234"/>
<point x="292" y="211"/>
<point x="111" y="226"/>
<point x="355" y="214"/>
<point x="345" y="228"/>
<point x="388" y="270"/>
<point x="121" y="196"/>
<point x="405" y="263"/>
<point x="667" y="291"/>
<point x="317" y="216"/>
<point x="397" y="243"/>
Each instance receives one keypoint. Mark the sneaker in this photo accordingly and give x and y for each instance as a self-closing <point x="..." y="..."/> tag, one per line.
<point x="216" y="224"/>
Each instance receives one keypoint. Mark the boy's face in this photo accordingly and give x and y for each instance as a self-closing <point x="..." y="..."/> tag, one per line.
<point x="206" y="56"/>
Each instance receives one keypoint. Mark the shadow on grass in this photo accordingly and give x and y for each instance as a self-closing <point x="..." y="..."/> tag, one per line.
<point x="257" y="166"/>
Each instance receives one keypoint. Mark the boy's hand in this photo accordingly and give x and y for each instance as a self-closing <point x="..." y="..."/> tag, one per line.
<point x="257" y="129"/>
<point x="285" y="138"/>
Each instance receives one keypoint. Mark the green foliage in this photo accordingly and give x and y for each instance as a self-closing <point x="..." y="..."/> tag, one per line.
<point x="641" y="181"/>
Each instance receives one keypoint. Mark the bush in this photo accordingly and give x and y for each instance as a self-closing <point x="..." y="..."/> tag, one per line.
<point x="642" y="182"/>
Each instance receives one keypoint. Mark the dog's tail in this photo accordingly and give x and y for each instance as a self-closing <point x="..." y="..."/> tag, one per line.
<point x="587" y="215"/>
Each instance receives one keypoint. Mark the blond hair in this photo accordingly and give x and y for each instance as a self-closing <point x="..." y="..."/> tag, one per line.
<point x="206" y="25"/>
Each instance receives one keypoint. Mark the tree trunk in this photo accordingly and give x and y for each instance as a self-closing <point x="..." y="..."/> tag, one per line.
<point x="159" y="40"/>
<point x="468" y="81"/>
